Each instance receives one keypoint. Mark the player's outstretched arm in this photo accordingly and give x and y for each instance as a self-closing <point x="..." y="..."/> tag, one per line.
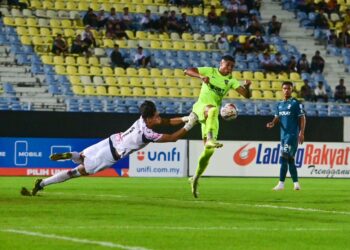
<point x="194" y="73"/>
<point x="245" y="89"/>
<point x="191" y="121"/>
<point x="174" y="121"/>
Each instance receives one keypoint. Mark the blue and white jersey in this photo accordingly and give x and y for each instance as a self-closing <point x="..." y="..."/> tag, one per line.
<point x="288" y="113"/>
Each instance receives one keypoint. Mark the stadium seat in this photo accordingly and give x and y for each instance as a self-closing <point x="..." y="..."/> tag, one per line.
<point x="93" y="61"/>
<point x="159" y="82"/>
<point x="123" y="81"/>
<point x="268" y="94"/>
<point x="98" y="80"/>
<point x="96" y="71"/>
<point x="131" y="72"/>
<point x="78" y="90"/>
<point x="114" y="91"/>
<point x="147" y="81"/>
<point x="72" y="70"/>
<point x="111" y="81"/>
<point x="186" y="92"/>
<point x="81" y="61"/>
<point x="119" y="71"/>
<point x="107" y="71"/>
<point x="162" y="92"/>
<point x="265" y="85"/>
<point x="101" y="90"/>
<point x="150" y="91"/>
<point x="143" y="72"/>
<point x="167" y="72"/>
<point x="58" y="60"/>
<point x="256" y="94"/>
<point x="135" y="81"/>
<point x="155" y="72"/>
<point x="125" y="91"/>
<point x="89" y="90"/>
<point x="86" y="80"/>
<point x="137" y="91"/>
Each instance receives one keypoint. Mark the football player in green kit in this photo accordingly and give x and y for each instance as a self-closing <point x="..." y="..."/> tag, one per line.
<point x="216" y="84"/>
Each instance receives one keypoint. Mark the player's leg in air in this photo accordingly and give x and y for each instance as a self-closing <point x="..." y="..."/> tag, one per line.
<point x="210" y="128"/>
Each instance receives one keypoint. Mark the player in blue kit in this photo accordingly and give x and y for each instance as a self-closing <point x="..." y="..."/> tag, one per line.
<point x="291" y="116"/>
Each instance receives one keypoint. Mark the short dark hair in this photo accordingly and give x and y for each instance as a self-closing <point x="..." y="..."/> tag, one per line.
<point x="287" y="83"/>
<point x="148" y="109"/>
<point x="228" y="58"/>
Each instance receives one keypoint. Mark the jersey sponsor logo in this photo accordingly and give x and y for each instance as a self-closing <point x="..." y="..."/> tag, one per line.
<point x="217" y="90"/>
<point x="310" y="154"/>
<point x="283" y="113"/>
<point x="171" y="155"/>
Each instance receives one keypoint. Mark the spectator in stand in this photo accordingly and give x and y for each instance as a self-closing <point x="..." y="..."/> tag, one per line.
<point x="303" y="65"/>
<point x="127" y="20"/>
<point x="266" y="63"/>
<point x="346" y="18"/>
<point x="257" y="42"/>
<point x="321" y="21"/>
<point x="274" y="26"/>
<point x="184" y="24"/>
<point x="332" y="39"/>
<point x="340" y="92"/>
<point x="331" y="7"/>
<point x="111" y="31"/>
<point x="17" y="3"/>
<point x="113" y="18"/>
<point x="120" y="32"/>
<point x="292" y="65"/>
<point x="320" y="92"/>
<point x="173" y="25"/>
<point x="317" y="63"/>
<point x="163" y="22"/>
<point x="255" y="27"/>
<point x="101" y="18"/>
<point x="344" y="37"/>
<point x="222" y="42"/>
<point x="232" y="13"/>
<point x="307" y="92"/>
<point x="278" y="64"/>
<point x="243" y="10"/>
<point x="234" y="45"/>
<point x="59" y="46"/>
<point x="213" y="17"/>
<point x="117" y="59"/>
<point x="79" y="47"/>
<point x="141" y="59"/>
<point x="88" y="37"/>
<point x="147" y="21"/>
<point x="90" y="18"/>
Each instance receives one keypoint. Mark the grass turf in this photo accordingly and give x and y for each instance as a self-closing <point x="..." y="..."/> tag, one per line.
<point x="160" y="213"/>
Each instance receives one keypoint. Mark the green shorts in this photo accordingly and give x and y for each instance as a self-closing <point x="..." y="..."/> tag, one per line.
<point x="198" y="109"/>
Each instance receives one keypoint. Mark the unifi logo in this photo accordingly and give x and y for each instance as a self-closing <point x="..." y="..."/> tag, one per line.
<point x="244" y="156"/>
<point x="171" y="155"/>
<point x="140" y="155"/>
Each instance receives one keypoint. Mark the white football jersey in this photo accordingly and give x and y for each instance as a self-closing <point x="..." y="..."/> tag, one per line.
<point x="135" y="138"/>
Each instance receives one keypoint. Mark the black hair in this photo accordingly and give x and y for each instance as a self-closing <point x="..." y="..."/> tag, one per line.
<point x="228" y="58"/>
<point x="287" y="83"/>
<point x="148" y="109"/>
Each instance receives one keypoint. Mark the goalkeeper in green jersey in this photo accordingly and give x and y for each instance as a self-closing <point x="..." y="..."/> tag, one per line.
<point x="216" y="83"/>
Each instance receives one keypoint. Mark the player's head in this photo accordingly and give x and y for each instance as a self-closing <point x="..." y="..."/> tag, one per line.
<point x="287" y="88"/>
<point x="226" y="65"/>
<point x="150" y="114"/>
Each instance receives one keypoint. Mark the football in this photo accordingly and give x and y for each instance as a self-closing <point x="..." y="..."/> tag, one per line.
<point x="228" y="112"/>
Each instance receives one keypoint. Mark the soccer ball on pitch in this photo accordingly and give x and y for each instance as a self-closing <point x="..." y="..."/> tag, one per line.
<point x="229" y="112"/>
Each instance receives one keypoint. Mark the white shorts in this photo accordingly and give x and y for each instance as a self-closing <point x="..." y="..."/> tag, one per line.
<point x="98" y="157"/>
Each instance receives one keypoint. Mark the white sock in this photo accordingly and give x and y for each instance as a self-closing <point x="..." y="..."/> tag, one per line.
<point x="76" y="158"/>
<point x="281" y="183"/>
<point x="60" y="177"/>
<point x="296" y="183"/>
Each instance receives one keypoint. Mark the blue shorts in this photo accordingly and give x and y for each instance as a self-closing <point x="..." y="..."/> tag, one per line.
<point x="289" y="146"/>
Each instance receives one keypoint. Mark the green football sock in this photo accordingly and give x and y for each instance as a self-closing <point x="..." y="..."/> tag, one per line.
<point x="212" y="122"/>
<point x="293" y="170"/>
<point x="204" y="161"/>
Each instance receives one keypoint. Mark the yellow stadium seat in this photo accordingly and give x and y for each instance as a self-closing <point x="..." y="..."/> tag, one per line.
<point x="112" y="81"/>
<point x="237" y="75"/>
<point x="55" y="23"/>
<point x="155" y="44"/>
<point x="200" y="46"/>
<point x="179" y="45"/>
<point x="195" y="82"/>
<point x="107" y="71"/>
<point x="135" y="81"/>
<point x="66" y="24"/>
<point x="113" y="91"/>
<point x="167" y="45"/>
<point x="150" y="92"/>
<point x="279" y="95"/>
<point x="174" y="36"/>
<point x="19" y="21"/>
<point x="248" y="75"/>
<point x="184" y="82"/>
<point x="123" y="81"/>
<point x="143" y="72"/>
<point x="171" y="82"/>
<point x="69" y="33"/>
<point x="22" y="31"/>
<point x="71" y="6"/>
<point x="75" y="80"/>
<point x="122" y="43"/>
<point x="89" y="90"/>
<point x="294" y="94"/>
<point x="298" y="85"/>
<point x="36" y="4"/>
<point x="186" y="92"/>
<point x="164" y="36"/>
<point x="197" y="11"/>
<point x="96" y="71"/>
<point x="81" y="61"/>
<point x="137" y="91"/>
<point x="130" y="34"/>
<point x="268" y="94"/>
<point x="9" y="21"/>
<point x="167" y="72"/>
<point x="43" y="31"/>
<point x="60" y="69"/>
<point x="51" y="14"/>
<point x="174" y="92"/>
<point x="131" y="72"/>
<point x="25" y="40"/>
<point x="294" y="76"/>
<point x="85" y="80"/>
<point x="283" y="76"/>
<point x="48" y="5"/>
<point x="78" y="90"/>
<point x="83" y="6"/>
<point x="271" y="76"/>
<point x="46" y="59"/>
<point x="162" y="92"/>
<point x="242" y="39"/>
<point x="70" y="60"/>
<point x="59" y="5"/>
<point x="196" y="92"/>
<point x="233" y="94"/>
<point x="255" y="85"/>
<point x="98" y="80"/>
<point x="71" y="70"/>
<point x="276" y="85"/>
<point x="125" y="91"/>
<point x="265" y="85"/>
<point x="259" y="75"/>
<point x="159" y="82"/>
<point x="132" y="43"/>
<point x="147" y="81"/>
<point x="256" y="94"/>
<point x="83" y="70"/>
<point x="179" y="73"/>
<point x="58" y="60"/>
<point x="42" y="22"/>
<point x="141" y="35"/>
<point x="93" y="61"/>
<point x="37" y="40"/>
<point x="155" y="72"/>
<point x="101" y="90"/>
<point x="187" y="36"/>
<point x="119" y="71"/>
<point x="56" y="31"/>
<point x="189" y="46"/>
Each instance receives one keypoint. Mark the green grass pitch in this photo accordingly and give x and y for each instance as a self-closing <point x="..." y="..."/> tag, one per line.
<point x="160" y="213"/>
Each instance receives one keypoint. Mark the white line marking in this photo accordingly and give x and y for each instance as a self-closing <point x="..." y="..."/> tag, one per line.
<point x="77" y="240"/>
<point x="295" y="208"/>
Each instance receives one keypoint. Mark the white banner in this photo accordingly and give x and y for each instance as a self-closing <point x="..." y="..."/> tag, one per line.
<point x="346" y="129"/>
<point x="160" y="160"/>
<point x="251" y="158"/>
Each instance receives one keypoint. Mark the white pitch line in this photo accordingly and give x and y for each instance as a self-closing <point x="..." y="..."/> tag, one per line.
<point x="295" y="208"/>
<point x="77" y="240"/>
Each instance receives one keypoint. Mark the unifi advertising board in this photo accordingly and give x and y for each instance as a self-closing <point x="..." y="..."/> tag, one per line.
<point x="251" y="158"/>
<point x="160" y="160"/>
